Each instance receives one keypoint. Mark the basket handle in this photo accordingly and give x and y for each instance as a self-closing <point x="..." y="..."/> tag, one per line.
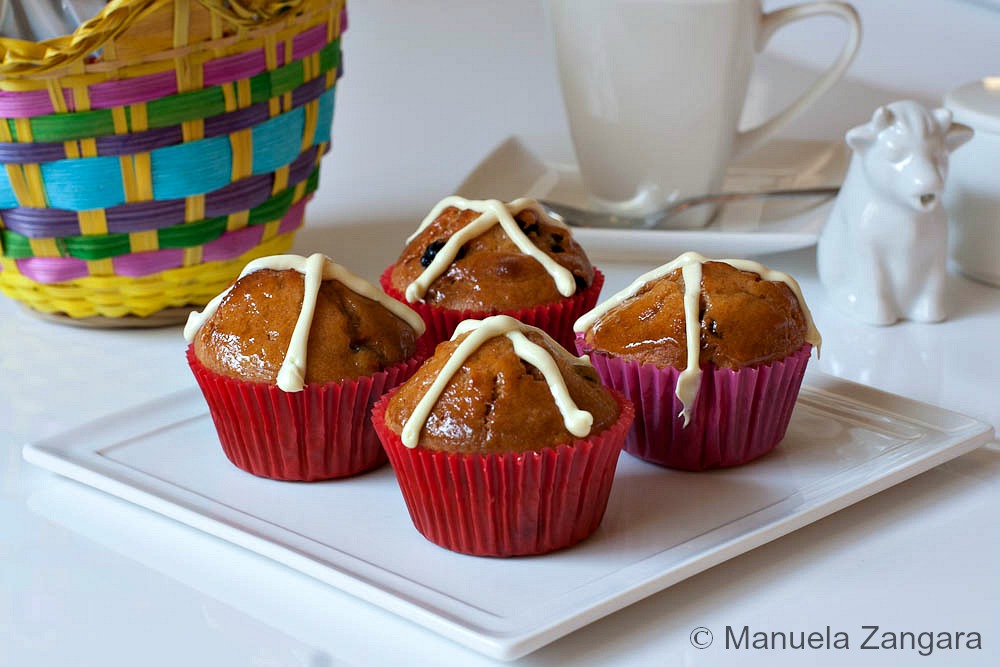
<point x="20" y="57"/>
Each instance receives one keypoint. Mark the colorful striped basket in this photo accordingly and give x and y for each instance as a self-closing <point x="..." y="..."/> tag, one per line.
<point x="151" y="154"/>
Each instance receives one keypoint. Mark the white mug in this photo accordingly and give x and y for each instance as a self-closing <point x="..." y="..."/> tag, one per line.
<point x="654" y="90"/>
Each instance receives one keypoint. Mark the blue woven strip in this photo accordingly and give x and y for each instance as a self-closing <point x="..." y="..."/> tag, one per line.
<point x="178" y="171"/>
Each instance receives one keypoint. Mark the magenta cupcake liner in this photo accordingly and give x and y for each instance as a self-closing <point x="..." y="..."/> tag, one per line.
<point x="321" y="432"/>
<point x="515" y="504"/>
<point x="738" y="415"/>
<point x="555" y="319"/>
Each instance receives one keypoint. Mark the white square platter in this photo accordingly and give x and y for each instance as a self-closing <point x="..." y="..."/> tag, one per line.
<point x="845" y="443"/>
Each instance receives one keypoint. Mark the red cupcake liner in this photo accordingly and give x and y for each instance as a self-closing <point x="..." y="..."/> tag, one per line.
<point x="321" y="432"/>
<point x="515" y="504"/>
<point x="556" y="319"/>
<point x="738" y="416"/>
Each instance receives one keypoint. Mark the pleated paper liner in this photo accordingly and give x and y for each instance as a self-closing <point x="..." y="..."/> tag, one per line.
<point x="515" y="504"/>
<point x="556" y="319"/>
<point x="322" y="432"/>
<point x="738" y="416"/>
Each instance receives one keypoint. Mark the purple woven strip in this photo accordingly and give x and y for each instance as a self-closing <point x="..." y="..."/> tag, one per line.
<point x="141" y="142"/>
<point x="49" y="270"/>
<point x="109" y="94"/>
<point x="242" y="195"/>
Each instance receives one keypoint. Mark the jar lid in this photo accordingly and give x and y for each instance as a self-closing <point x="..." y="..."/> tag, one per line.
<point x="977" y="104"/>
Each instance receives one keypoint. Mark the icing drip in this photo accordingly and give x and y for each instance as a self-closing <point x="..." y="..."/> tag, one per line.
<point x="576" y="421"/>
<point x="690" y="264"/>
<point x="491" y="212"/>
<point x="316" y="268"/>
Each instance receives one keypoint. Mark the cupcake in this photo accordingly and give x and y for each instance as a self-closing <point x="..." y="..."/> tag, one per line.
<point x="503" y="443"/>
<point x="472" y="259"/>
<point x="712" y="354"/>
<point x="292" y="357"/>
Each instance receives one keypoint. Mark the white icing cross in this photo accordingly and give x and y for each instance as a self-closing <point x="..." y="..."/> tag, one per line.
<point x="578" y="422"/>
<point x="491" y="212"/>
<point x="690" y="264"/>
<point x="316" y="268"/>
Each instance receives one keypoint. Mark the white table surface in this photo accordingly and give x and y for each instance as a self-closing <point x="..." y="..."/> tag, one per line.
<point x="86" y="579"/>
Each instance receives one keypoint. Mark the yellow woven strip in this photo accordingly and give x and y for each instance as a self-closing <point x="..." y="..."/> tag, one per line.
<point x="271" y="52"/>
<point x="280" y="180"/>
<point x="192" y="256"/>
<point x="237" y="221"/>
<point x="144" y="241"/>
<point x="308" y="68"/>
<point x="120" y="120"/>
<point x="23" y="128"/>
<point x="274" y="106"/>
<point x="140" y="117"/>
<point x="182" y="19"/>
<point x="56" y="95"/>
<point x="100" y="267"/>
<point x="242" y="147"/>
<point x="270" y="230"/>
<point x="36" y="184"/>
<point x="129" y="182"/>
<point x="93" y="222"/>
<point x="333" y="23"/>
<point x="23" y="192"/>
<point x="229" y="95"/>
<point x="72" y="149"/>
<point x="5" y="133"/>
<point x="88" y="147"/>
<point x="144" y="176"/>
<point x="194" y="208"/>
<point x="81" y="98"/>
<point x="243" y="99"/>
<point x="309" y="129"/>
<point x="331" y="78"/>
<point x="300" y="190"/>
<point x="44" y="248"/>
<point x="193" y="130"/>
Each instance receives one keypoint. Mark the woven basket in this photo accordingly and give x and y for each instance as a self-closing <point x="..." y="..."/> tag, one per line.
<point x="151" y="154"/>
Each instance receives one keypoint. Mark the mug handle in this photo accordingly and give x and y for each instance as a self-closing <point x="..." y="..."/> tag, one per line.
<point x="747" y="140"/>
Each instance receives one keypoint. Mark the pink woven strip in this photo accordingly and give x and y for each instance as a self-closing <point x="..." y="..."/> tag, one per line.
<point x="110" y="94"/>
<point x="230" y="245"/>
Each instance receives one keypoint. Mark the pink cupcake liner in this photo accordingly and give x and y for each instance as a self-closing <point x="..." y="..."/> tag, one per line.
<point x="321" y="432"/>
<point x="556" y="319"/>
<point x="515" y="504"/>
<point x="738" y="416"/>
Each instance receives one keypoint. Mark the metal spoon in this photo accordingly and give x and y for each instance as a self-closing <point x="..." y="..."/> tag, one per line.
<point x="578" y="217"/>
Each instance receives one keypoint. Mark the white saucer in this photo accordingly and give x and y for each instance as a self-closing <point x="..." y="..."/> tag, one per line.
<point x="513" y="169"/>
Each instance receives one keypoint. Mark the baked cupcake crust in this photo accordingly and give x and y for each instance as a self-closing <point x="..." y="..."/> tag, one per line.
<point x="497" y="403"/>
<point x="351" y="335"/>
<point x="744" y="320"/>
<point x="490" y="273"/>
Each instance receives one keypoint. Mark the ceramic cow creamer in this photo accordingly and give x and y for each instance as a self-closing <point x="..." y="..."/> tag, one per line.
<point x="882" y="253"/>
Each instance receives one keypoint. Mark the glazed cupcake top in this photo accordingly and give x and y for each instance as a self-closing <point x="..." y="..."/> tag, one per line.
<point x="498" y="386"/>
<point x="291" y="320"/>
<point x="694" y="311"/>
<point x="487" y="255"/>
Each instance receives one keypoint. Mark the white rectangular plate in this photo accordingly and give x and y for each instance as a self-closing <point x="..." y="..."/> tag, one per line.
<point x="845" y="443"/>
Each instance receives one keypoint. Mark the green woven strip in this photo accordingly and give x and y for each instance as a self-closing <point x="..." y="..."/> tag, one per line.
<point x="177" y="109"/>
<point x="186" y="235"/>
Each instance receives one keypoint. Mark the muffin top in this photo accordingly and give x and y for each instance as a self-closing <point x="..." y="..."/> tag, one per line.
<point x="290" y="320"/>
<point x="488" y="256"/>
<point x="500" y="386"/>
<point x="694" y="312"/>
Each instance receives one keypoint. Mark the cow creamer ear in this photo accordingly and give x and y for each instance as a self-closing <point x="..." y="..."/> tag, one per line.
<point x="957" y="135"/>
<point x="861" y="137"/>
